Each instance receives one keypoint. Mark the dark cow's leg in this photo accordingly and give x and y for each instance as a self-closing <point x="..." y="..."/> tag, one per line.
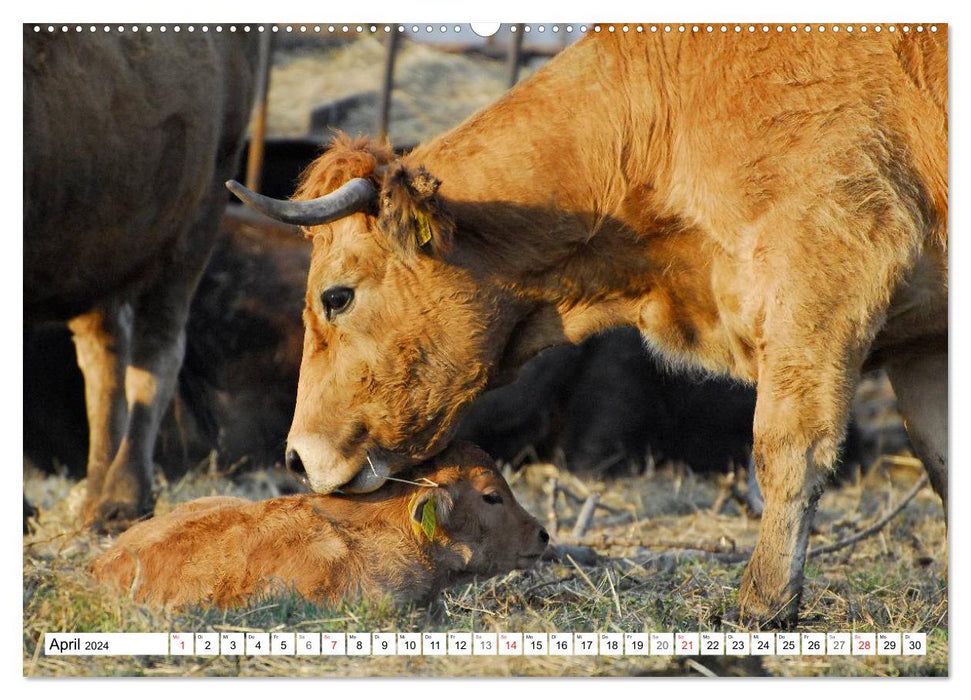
<point x="921" y="388"/>
<point x="149" y="383"/>
<point x="158" y="346"/>
<point x="103" y="341"/>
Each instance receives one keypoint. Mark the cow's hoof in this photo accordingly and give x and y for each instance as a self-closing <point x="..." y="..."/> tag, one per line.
<point x="436" y="613"/>
<point x="89" y="512"/>
<point x="765" y="613"/>
<point x="114" y="517"/>
<point x="769" y="594"/>
<point x="748" y="620"/>
<point x="764" y="619"/>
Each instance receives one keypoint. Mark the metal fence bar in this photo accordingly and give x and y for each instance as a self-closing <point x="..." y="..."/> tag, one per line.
<point x="515" y="52"/>
<point x="254" y="159"/>
<point x="387" y="85"/>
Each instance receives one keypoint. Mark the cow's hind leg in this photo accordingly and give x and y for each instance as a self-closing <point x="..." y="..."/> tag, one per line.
<point x="102" y="339"/>
<point x="158" y="347"/>
<point x="920" y="384"/>
<point x="150" y="380"/>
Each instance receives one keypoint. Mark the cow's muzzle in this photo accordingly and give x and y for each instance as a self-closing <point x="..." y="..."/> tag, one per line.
<point x="328" y="471"/>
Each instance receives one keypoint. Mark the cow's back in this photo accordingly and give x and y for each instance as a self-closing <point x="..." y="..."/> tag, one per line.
<point x="123" y="135"/>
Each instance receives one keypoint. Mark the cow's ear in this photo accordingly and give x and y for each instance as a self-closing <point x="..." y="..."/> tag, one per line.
<point x="430" y="510"/>
<point x="411" y="212"/>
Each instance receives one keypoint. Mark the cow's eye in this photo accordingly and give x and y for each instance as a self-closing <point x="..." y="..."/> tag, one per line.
<point x="492" y="498"/>
<point x="336" y="300"/>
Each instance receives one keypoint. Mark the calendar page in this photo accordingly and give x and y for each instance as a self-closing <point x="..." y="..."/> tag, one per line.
<point x="518" y="349"/>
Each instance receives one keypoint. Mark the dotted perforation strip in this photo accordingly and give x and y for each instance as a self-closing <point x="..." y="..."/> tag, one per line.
<point x="443" y="29"/>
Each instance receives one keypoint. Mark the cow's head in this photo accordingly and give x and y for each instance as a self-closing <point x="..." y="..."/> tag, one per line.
<point x="400" y="337"/>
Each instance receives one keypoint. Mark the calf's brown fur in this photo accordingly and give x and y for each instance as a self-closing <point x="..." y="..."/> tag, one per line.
<point x="223" y="550"/>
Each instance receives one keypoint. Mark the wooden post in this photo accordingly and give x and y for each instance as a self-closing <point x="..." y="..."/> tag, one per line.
<point x="254" y="159"/>
<point x="515" y="51"/>
<point x="387" y="85"/>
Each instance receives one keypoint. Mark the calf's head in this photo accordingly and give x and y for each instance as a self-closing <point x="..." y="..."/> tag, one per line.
<point x="474" y="515"/>
<point x="399" y="336"/>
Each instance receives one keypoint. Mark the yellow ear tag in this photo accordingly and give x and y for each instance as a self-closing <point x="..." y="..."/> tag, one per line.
<point x="428" y="520"/>
<point x="424" y="229"/>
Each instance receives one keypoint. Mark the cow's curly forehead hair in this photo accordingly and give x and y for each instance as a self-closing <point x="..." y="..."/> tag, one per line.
<point x="345" y="159"/>
<point x="409" y="210"/>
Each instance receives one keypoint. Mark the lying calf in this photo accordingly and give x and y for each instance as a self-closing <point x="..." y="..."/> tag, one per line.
<point x="405" y="541"/>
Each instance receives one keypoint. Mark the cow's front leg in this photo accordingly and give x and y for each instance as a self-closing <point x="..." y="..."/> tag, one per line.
<point x="102" y="339"/>
<point x="772" y="583"/>
<point x="800" y="419"/>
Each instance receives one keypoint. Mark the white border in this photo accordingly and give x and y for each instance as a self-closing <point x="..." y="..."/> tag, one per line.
<point x="740" y="11"/>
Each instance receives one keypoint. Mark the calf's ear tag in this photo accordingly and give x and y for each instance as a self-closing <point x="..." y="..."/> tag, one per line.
<point x="428" y="520"/>
<point x="424" y="233"/>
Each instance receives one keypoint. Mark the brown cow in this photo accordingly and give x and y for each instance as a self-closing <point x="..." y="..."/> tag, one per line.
<point x="767" y="206"/>
<point x="127" y="140"/>
<point x="224" y="550"/>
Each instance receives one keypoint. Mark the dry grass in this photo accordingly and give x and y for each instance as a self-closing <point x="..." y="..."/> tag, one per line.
<point x="895" y="581"/>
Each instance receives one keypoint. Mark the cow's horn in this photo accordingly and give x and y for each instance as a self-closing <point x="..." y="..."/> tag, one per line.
<point x="350" y="197"/>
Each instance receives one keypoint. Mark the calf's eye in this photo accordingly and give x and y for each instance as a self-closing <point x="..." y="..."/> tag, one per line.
<point x="492" y="498"/>
<point x="336" y="300"/>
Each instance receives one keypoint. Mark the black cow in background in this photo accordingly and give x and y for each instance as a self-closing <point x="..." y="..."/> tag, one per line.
<point x="607" y="405"/>
<point x="128" y="138"/>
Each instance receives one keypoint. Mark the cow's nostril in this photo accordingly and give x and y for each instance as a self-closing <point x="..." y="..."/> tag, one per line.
<point x="294" y="463"/>
<point x="544" y="537"/>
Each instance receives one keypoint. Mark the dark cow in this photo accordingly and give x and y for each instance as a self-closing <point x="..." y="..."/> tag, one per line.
<point x="127" y="138"/>
<point x="242" y="357"/>
<point x="602" y="406"/>
<point x="245" y="338"/>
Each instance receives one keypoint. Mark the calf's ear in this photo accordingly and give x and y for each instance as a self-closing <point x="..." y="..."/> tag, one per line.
<point x="430" y="510"/>
<point x="411" y="212"/>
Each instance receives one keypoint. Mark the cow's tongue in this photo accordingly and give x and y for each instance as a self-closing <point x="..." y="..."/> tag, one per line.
<point x="377" y="470"/>
<point x="372" y="477"/>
